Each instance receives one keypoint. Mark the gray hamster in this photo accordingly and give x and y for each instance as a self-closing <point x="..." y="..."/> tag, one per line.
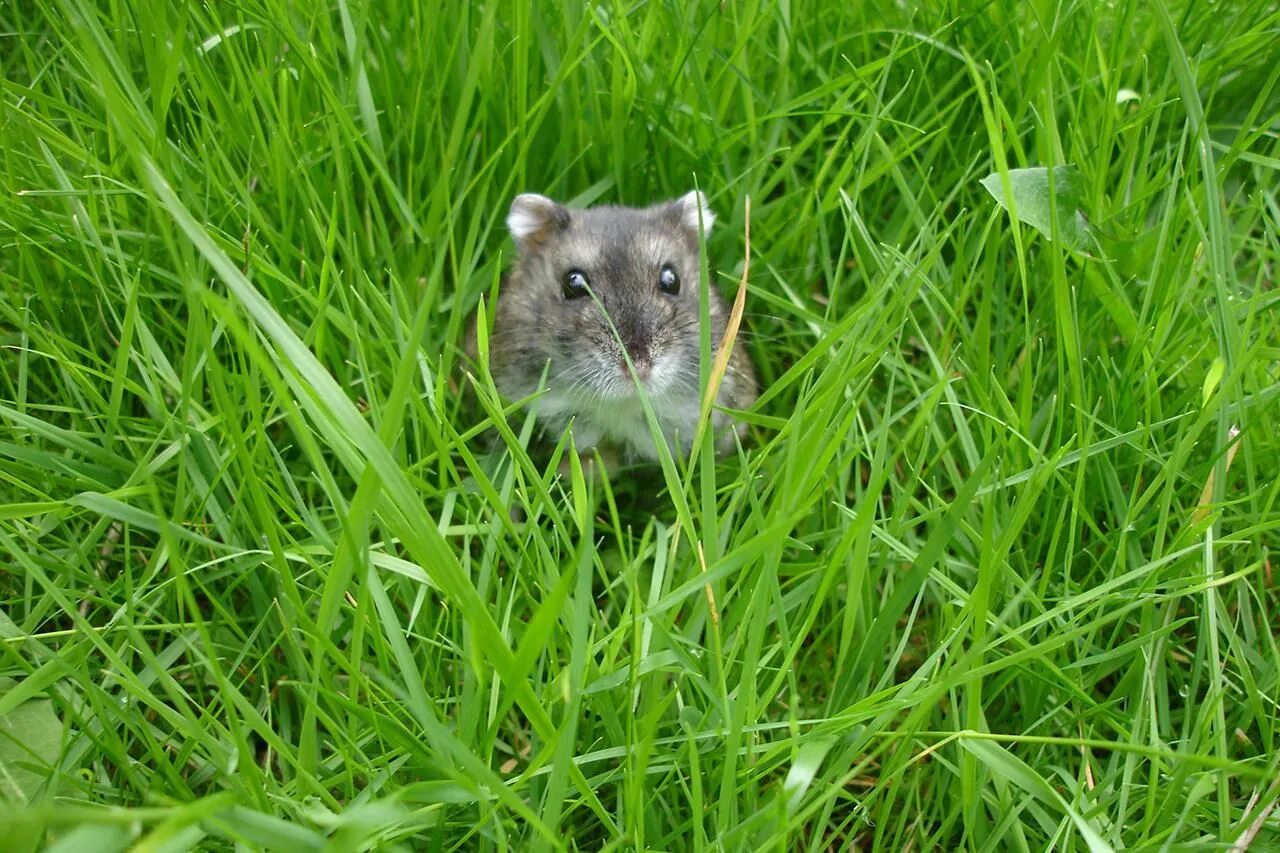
<point x="642" y="266"/>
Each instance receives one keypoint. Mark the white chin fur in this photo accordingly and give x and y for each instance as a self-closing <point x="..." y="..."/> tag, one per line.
<point x="618" y="418"/>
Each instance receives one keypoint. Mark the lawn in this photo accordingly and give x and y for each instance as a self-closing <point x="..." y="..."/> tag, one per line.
<point x="993" y="567"/>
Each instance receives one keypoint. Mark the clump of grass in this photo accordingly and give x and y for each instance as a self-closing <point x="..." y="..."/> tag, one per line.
<point x="994" y="570"/>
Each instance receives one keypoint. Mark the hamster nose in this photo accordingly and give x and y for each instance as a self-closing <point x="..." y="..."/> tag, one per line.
<point x="638" y="351"/>
<point x="639" y="360"/>
<point x="637" y="338"/>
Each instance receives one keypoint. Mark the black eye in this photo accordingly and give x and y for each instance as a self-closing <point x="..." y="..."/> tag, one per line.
<point x="668" y="280"/>
<point x="574" y="284"/>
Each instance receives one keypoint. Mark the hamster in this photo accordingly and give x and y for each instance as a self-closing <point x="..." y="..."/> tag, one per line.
<point x="641" y="264"/>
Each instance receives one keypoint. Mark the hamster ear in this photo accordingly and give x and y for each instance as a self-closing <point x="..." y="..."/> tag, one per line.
<point x="686" y="210"/>
<point x="533" y="219"/>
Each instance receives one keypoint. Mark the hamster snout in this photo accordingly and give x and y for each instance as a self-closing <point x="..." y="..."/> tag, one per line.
<point x="594" y="289"/>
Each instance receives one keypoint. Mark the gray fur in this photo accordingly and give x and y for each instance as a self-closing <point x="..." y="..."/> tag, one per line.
<point x="621" y="251"/>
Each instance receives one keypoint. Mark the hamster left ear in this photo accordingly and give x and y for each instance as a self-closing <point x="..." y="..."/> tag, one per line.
<point x="687" y="208"/>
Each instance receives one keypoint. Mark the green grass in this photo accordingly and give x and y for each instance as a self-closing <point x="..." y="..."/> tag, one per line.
<point x="983" y="577"/>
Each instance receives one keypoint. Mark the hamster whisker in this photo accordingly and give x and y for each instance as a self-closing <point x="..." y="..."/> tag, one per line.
<point x="586" y="377"/>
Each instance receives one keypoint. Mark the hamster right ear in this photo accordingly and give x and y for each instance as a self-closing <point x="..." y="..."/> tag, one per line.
<point x="534" y="219"/>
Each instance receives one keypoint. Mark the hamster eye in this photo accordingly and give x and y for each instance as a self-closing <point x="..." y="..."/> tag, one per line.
<point x="574" y="285"/>
<point x="668" y="280"/>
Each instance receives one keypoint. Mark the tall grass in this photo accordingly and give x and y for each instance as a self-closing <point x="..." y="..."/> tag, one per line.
<point x="994" y="569"/>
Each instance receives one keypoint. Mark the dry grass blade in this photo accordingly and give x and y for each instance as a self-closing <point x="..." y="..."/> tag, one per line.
<point x="1245" y="841"/>
<point x="721" y="364"/>
<point x="1203" y="506"/>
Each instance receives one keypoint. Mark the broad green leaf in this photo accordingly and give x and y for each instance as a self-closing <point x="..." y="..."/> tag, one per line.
<point x="804" y="767"/>
<point x="95" y="838"/>
<point x="1211" y="379"/>
<point x="272" y="832"/>
<point x="1008" y="766"/>
<point x="1034" y="205"/>
<point x="30" y="739"/>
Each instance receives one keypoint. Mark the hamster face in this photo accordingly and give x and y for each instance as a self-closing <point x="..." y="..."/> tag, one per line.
<point x="593" y="288"/>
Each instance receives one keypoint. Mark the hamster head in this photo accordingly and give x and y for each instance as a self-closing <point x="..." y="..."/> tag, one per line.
<point x="593" y="289"/>
<point x="641" y="267"/>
